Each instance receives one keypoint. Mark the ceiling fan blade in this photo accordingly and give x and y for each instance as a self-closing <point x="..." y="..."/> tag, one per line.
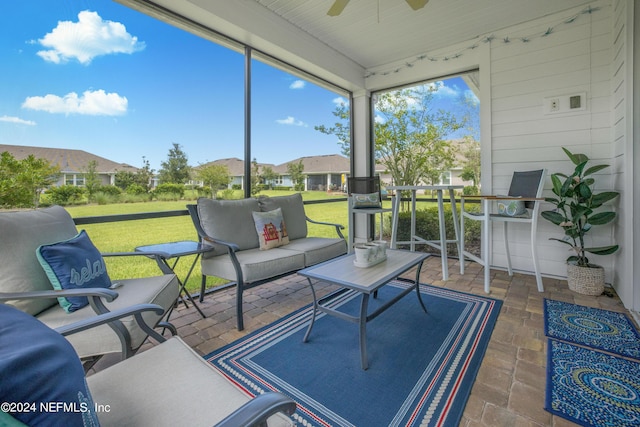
<point x="337" y="7"/>
<point x="417" y="4"/>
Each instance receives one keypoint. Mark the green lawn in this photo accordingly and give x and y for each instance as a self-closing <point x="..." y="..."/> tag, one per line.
<point x="124" y="236"/>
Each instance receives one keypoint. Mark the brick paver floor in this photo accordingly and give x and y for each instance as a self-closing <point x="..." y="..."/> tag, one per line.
<point x="509" y="388"/>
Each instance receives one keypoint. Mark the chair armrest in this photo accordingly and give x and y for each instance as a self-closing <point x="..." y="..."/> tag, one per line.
<point x="108" y="294"/>
<point x="101" y="319"/>
<point x="256" y="411"/>
<point x="337" y="226"/>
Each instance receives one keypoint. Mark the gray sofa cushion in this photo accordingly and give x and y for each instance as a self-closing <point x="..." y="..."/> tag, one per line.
<point x="138" y="395"/>
<point x="317" y="249"/>
<point x="21" y="234"/>
<point x="255" y="264"/>
<point x="292" y="211"/>
<point x="161" y="290"/>
<point x="229" y="220"/>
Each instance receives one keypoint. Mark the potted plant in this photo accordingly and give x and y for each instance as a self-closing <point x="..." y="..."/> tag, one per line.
<point x="575" y="212"/>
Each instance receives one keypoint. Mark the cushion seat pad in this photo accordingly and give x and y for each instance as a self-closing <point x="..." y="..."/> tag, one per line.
<point x="317" y="249"/>
<point x="162" y="290"/>
<point x="208" y="396"/>
<point x="255" y="264"/>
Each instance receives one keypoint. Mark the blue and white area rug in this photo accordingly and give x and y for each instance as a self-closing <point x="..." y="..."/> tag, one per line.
<point x="593" y="327"/>
<point x="421" y="365"/>
<point x="592" y="388"/>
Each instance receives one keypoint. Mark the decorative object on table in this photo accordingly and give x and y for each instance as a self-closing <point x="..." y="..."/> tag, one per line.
<point x="370" y="254"/>
<point x="418" y="375"/>
<point x="576" y="204"/>
<point x="592" y="388"/>
<point x="511" y="207"/>
<point x="593" y="327"/>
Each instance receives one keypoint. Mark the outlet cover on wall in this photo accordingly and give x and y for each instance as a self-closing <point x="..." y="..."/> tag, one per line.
<point x="565" y="103"/>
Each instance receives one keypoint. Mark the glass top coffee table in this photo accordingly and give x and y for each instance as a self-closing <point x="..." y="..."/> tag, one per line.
<point x="342" y="272"/>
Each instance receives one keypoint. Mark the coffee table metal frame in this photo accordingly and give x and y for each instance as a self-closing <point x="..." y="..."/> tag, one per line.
<point x="342" y="272"/>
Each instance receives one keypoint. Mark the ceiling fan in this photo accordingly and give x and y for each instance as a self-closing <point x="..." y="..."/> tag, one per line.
<point x="339" y="5"/>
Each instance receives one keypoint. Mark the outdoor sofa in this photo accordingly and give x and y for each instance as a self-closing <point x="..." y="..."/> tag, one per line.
<point x="27" y="283"/>
<point x="240" y="252"/>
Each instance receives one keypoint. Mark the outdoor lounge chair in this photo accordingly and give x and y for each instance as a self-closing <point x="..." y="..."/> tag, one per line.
<point x="520" y="205"/>
<point x="25" y="284"/>
<point x="166" y="385"/>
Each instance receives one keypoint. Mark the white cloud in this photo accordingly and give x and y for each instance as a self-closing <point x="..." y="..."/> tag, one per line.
<point x="91" y="36"/>
<point x="439" y="89"/>
<point x="17" y="120"/>
<point x="340" y="101"/>
<point x="291" y="121"/>
<point x="298" y="84"/>
<point x="94" y="103"/>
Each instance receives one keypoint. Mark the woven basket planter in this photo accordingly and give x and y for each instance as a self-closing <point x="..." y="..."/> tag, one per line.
<point x="586" y="280"/>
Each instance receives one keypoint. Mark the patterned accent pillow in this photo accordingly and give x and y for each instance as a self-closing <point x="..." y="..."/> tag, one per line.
<point x="272" y="232"/>
<point x="71" y="264"/>
<point x="370" y="200"/>
<point x="41" y="371"/>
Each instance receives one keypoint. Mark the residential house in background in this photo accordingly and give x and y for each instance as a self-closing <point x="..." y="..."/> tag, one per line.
<point x="73" y="164"/>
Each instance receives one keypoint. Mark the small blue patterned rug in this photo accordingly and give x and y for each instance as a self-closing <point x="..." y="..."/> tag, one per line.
<point x="592" y="388"/>
<point x="421" y="365"/>
<point x="593" y="327"/>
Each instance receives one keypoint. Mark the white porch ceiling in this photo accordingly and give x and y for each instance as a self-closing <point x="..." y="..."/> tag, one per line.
<point x="368" y="34"/>
<point x="378" y="32"/>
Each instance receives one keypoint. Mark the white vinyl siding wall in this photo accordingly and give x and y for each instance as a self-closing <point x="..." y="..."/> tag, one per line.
<point x="575" y="58"/>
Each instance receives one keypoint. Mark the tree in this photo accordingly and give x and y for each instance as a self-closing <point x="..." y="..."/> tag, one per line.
<point x="296" y="171"/>
<point x="255" y="177"/>
<point x="124" y="179"/>
<point x="341" y="128"/>
<point x="22" y="181"/>
<point x="175" y="170"/>
<point x="91" y="179"/>
<point x="409" y="135"/>
<point x="268" y="176"/>
<point x="471" y="167"/>
<point x="214" y="176"/>
<point x="144" y="175"/>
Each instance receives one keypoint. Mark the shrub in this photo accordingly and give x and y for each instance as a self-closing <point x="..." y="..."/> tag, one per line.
<point x="428" y="227"/>
<point x="470" y="190"/>
<point x="227" y="194"/>
<point x="111" y="190"/>
<point x="236" y="187"/>
<point x="176" y="191"/>
<point x="65" y="195"/>
<point x="136" y="189"/>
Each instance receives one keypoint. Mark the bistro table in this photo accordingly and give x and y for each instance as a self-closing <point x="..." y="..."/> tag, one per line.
<point x="414" y="239"/>
<point x="175" y="251"/>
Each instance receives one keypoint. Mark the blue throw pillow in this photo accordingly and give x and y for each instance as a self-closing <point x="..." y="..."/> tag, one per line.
<point x="74" y="263"/>
<point x="42" y="378"/>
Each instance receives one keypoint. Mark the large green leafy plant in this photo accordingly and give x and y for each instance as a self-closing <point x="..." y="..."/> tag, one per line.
<point x="576" y="205"/>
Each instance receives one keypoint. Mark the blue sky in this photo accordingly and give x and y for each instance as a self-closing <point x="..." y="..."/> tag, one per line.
<point x="97" y="76"/>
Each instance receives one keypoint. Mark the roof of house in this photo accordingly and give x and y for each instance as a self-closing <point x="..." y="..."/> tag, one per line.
<point x="69" y="161"/>
<point x="330" y="163"/>
<point x="235" y="165"/>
